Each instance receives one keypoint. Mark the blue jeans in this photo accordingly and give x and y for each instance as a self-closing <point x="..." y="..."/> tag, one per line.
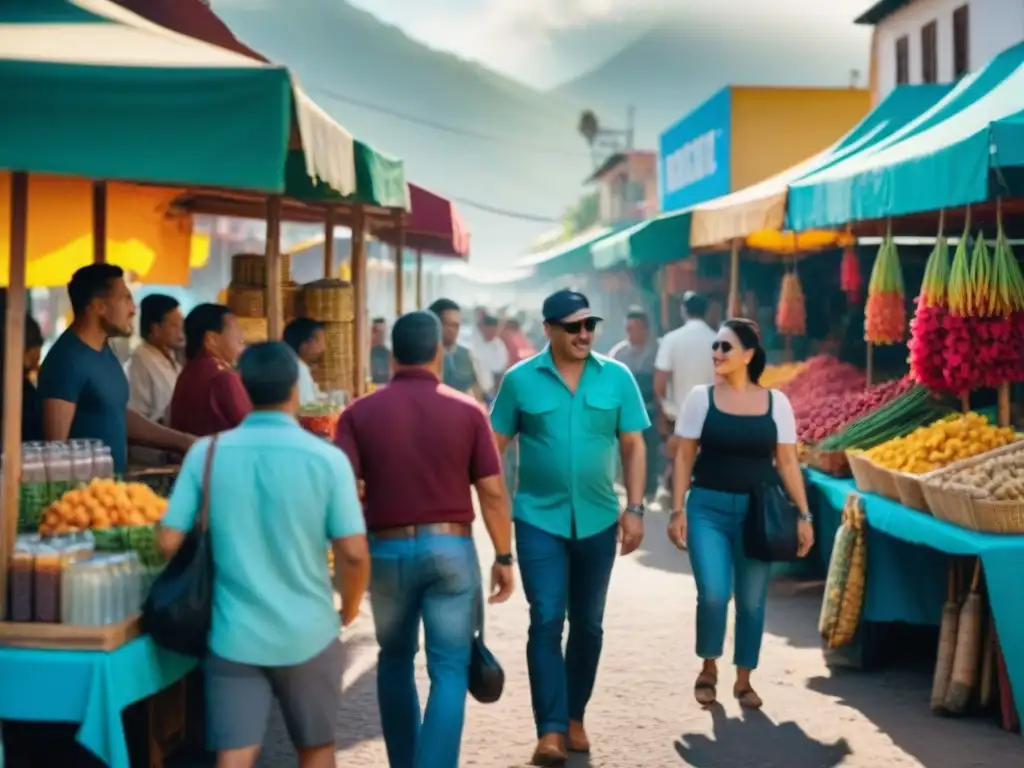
<point x="435" y="578"/>
<point x="563" y="577"/>
<point x="714" y="536"/>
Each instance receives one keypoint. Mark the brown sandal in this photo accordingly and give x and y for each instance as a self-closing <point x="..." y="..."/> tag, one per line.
<point x="748" y="698"/>
<point x="705" y="689"/>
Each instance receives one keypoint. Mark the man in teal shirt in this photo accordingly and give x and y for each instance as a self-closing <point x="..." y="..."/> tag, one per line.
<point x="574" y="413"/>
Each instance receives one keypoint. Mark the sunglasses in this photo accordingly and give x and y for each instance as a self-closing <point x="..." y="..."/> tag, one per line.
<point x="724" y="346"/>
<point x="576" y="326"/>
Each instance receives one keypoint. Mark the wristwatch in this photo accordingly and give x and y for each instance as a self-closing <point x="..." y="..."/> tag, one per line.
<point x="807" y="517"/>
<point x="504" y="559"/>
<point x="636" y="509"/>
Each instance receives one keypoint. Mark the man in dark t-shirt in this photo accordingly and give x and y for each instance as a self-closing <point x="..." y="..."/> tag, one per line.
<point x="83" y="388"/>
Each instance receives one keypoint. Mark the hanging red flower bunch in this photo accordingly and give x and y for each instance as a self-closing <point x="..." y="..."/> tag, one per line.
<point x="885" y="316"/>
<point x="850" y="281"/>
<point x="1000" y="347"/>
<point x="791" y="314"/>
<point x="927" y="343"/>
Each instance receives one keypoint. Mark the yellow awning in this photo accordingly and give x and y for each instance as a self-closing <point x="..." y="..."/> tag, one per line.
<point x="756" y="215"/>
<point x="144" y="235"/>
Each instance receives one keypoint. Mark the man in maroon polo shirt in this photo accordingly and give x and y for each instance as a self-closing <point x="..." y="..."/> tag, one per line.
<point x="209" y="396"/>
<point x="419" y="447"/>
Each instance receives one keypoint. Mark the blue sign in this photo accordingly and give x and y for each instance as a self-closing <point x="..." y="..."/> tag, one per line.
<point x="694" y="155"/>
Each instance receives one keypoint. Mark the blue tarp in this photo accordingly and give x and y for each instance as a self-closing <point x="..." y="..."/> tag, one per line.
<point x="942" y="159"/>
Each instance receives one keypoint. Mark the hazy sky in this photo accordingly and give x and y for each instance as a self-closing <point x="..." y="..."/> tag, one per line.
<point x="539" y="41"/>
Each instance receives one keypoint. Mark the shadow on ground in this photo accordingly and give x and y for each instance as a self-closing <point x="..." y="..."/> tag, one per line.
<point x="793" y="609"/>
<point x="756" y="741"/>
<point x="657" y="551"/>
<point x="900" y="713"/>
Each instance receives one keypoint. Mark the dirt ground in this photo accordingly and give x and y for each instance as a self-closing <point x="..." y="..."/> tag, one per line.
<point x="643" y="713"/>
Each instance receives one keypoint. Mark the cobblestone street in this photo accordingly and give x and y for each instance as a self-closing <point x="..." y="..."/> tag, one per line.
<point x="643" y="713"/>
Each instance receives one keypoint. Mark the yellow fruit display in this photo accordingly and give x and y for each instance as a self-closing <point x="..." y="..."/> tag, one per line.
<point x="940" y="443"/>
<point x="777" y="375"/>
<point x="102" y="504"/>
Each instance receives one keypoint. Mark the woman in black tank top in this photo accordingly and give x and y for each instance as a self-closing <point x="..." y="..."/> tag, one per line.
<point x="746" y="436"/>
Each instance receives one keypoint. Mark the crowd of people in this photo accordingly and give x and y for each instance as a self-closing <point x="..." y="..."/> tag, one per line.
<point x="540" y="437"/>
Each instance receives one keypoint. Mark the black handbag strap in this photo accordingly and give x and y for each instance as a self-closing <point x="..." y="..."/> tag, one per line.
<point x="204" y="510"/>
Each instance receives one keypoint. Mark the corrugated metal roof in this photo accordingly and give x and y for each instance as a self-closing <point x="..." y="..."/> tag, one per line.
<point x="880" y="10"/>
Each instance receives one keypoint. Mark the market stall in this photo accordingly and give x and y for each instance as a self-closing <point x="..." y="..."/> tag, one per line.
<point x="199" y="99"/>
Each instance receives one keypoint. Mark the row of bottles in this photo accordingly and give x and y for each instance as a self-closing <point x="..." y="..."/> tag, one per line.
<point x="48" y="470"/>
<point x="62" y="579"/>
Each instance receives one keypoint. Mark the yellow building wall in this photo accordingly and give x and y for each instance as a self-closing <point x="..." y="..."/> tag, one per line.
<point x="775" y="128"/>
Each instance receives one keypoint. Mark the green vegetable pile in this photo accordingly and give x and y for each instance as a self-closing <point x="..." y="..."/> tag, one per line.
<point x="899" y="417"/>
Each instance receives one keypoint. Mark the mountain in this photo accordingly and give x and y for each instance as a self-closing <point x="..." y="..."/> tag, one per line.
<point x="691" y="52"/>
<point x="515" y="148"/>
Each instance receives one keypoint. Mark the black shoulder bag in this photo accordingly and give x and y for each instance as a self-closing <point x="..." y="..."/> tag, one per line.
<point x="486" y="677"/>
<point x="770" y="529"/>
<point x="178" y="611"/>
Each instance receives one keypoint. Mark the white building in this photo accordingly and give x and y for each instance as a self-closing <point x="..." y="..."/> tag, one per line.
<point x="937" y="41"/>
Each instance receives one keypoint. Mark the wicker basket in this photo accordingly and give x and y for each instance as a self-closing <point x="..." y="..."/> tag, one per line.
<point x="329" y="301"/>
<point x="246" y="301"/>
<point x="833" y="463"/>
<point x="949" y="506"/>
<point x="975" y="514"/>
<point x="254" y="329"/>
<point x="997" y="516"/>
<point x="337" y="367"/>
<point x="251" y="269"/>
<point x="861" y="470"/>
<point x="911" y="491"/>
<point x="884" y="481"/>
<point x="291" y="301"/>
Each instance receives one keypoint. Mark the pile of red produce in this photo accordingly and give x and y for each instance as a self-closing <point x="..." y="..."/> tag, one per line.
<point x="822" y="376"/>
<point x="828" y="415"/>
<point x="927" y="343"/>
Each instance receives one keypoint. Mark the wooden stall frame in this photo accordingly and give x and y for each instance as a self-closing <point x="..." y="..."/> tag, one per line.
<point x="419" y="279"/>
<point x="361" y="325"/>
<point x="330" y="219"/>
<point x="399" y="265"/>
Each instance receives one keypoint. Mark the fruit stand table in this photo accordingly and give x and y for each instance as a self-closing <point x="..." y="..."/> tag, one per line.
<point x="90" y="688"/>
<point x="1001" y="556"/>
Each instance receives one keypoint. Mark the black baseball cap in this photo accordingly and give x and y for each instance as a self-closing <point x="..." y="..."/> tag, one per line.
<point x="566" y="306"/>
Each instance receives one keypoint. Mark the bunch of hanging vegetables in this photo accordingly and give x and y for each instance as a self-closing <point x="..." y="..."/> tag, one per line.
<point x="885" y="316"/>
<point x="791" y="314"/>
<point x="850" y="281"/>
<point x="986" y="316"/>
<point x="927" y="343"/>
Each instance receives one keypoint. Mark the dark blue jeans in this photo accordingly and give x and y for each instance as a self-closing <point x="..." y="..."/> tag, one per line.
<point x="563" y="577"/>
<point x="436" y="579"/>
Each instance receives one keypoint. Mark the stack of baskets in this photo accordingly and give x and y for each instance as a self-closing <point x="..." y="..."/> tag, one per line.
<point x="900" y="487"/>
<point x="331" y="302"/>
<point x="247" y="293"/>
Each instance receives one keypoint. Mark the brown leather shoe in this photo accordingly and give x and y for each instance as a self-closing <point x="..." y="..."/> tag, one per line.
<point x="576" y="739"/>
<point x="550" y="750"/>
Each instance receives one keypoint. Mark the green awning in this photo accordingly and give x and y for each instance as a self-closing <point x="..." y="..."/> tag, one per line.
<point x="943" y="159"/>
<point x="571" y="257"/>
<point x="648" y="244"/>
<point x="92" y="90"/>
<point x="380" y="180"/>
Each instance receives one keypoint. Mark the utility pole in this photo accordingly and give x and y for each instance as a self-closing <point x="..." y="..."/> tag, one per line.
<point x="630" y="126"/>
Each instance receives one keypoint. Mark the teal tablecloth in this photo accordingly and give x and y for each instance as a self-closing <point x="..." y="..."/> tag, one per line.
<point x="87" y="687"/>
<point x="1001" y="557"/>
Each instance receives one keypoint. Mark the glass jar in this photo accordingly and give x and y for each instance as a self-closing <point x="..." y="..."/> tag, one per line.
<point x="102" y="460"/>
<point x="135" y="586"/>
<point x="87" y="607"/>
<point x="57" y="458"/>
<point x="47" y="582"/>
<point x="22" y="579"/>
<point x="33" y="497"/>
<point x="81" y="462"/>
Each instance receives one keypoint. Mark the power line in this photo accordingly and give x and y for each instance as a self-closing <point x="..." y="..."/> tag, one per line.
<point x="506" y="213"/>
<point x="447" y="128"/>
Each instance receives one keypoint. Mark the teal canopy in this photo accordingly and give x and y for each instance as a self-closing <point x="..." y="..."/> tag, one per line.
<point x="93" y="90"/>
<point x="571" y="257"/>
<point x="944" y="158"/>
<point x="648" y="244"/>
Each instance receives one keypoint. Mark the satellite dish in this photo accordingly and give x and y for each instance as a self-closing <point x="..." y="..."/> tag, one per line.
<point x="588" y="126"/>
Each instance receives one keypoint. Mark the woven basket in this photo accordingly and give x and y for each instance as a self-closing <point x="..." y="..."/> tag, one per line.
<point x="973" y="514"/>
<point x="329" y="301"/>
<point x="833" y="463"/>
<point x="861" y="470"/>
<point x="337" y="367"/>
<point x="246" y="301"/>
<point x="911" y="491"/>
<point x="997" y="516"/>
<point x="251" y="269"/>
<point x="949" y="506"/>
<point x="884" y="481"/>
<point x="254" y="329"/>
<point x="291" y="301"/>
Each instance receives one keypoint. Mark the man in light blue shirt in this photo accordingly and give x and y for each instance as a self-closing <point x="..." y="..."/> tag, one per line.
<point x="279" y="497"/>
<point x="307" y="339"/>
<point x="574" y="413"/>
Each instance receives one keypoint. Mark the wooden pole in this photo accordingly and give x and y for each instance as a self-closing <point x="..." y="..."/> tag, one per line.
<point x="733" y="308"/>
<point x="419" y="279"/>
<point x="275" y="308"/>
<point x="329" y="242"/>
<point x="399" y="264"/>
<point x="1004" y="404"/>
<point x="358" y="265"/>
<point x="99" y="222"/>
<point x="14" y="353"/>
<point x="870" y="378"/>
